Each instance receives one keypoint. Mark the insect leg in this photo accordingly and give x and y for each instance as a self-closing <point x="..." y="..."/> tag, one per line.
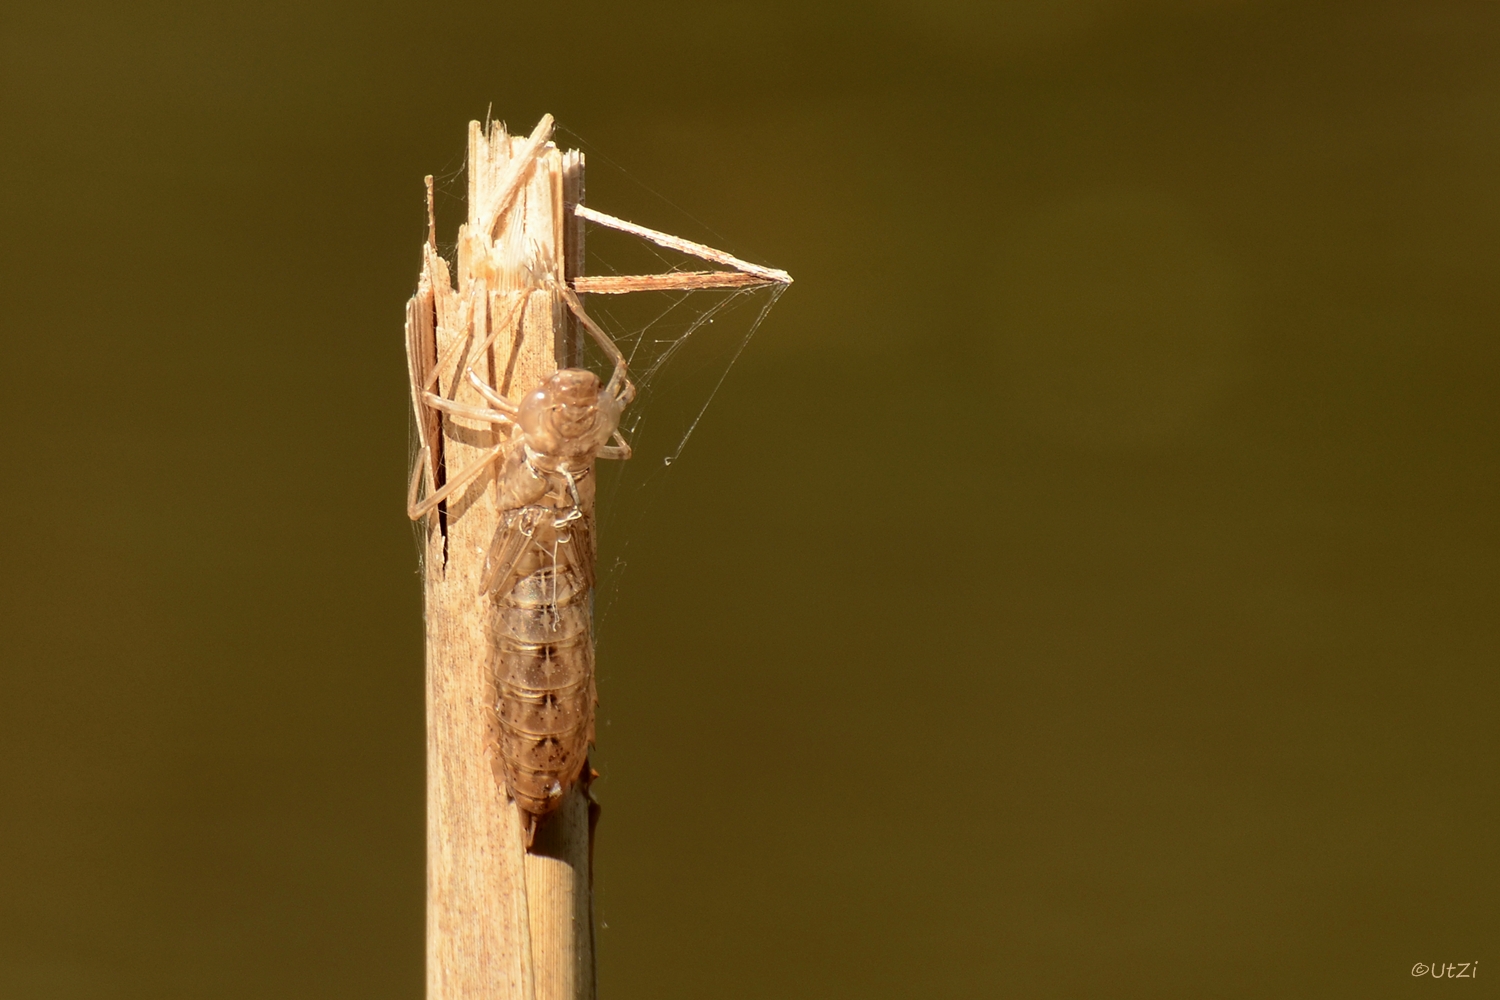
<point x="619" y="450"/>
<point x="459" y="346"/>
<point x="511" y="320"/>
<point x="496" y="400"/>
<point x="458" y="482"/>
<point x="451" y="357"/>
<point x="414" y="487"/>
<point x="619" y="386"/>
<point x="463" y="410"/>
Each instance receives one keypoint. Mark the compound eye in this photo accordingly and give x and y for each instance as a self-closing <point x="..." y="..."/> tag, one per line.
<point x="533" y="412"/>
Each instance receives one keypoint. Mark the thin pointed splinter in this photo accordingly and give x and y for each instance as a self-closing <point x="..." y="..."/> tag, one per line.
<point x="620" y="284"/>
<point x="431" y="216"/>
<point x="684" y="246"/>
<point x="517" y="171"/>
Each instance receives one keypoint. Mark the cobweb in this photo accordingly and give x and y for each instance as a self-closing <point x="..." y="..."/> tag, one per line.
<point x="680" y="345"/>
<point x="681" y="348"/>
<point x="680" y="360"/>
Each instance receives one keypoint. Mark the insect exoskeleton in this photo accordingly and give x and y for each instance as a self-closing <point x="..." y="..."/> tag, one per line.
<point x="540" y="573"/>
<point x="539" y="569"/>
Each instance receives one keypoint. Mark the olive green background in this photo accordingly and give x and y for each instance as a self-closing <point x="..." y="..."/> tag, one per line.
<point x="1084" y="586"/>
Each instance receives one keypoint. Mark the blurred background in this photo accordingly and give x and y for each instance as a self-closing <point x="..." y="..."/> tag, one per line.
<point x="1083" y="585"/>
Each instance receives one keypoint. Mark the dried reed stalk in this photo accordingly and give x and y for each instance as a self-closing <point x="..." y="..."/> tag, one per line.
<point x="502" y="923"/>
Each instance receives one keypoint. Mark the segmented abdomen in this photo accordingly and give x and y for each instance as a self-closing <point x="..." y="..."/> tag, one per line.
<point x="544" y="667"/>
